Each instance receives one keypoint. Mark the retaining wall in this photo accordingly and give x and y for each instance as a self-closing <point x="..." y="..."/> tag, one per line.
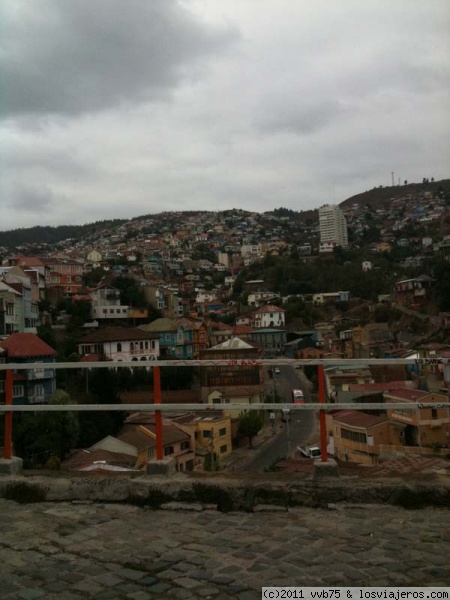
<point x="226" y="494"/>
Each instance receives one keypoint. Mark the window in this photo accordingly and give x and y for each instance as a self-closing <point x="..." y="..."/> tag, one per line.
<point x="111" y="311"/>
<point x="2" y="386"/>
<point x="223" y="449"/>
<point x="434" y="414"/>
<point x="69" y="280"/>
<point x="207" y="433"/>
<point x="185" y="445"/>
<point x="17" y="391"/>
<point x="354" y="436"/>
<point x="223" y="431"/>
<point x="119" y="347"/>
<point x="168" y="450"/>
<point x="39" y="390"/>
<point x="105" y="310"/>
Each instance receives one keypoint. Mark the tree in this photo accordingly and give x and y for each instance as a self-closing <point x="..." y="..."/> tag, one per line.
<point x="45" y="332"/>
<point x="43" y="434"/>
<point x="250" y="423"/>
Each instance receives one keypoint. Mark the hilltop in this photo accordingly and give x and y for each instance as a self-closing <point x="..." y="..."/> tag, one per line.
<point x="381" y="196"/>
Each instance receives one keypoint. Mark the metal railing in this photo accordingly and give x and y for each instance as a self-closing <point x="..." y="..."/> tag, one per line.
<point x="158" y="408"/>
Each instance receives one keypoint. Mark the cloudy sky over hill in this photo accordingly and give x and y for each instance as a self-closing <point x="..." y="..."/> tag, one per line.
<point x="118" y="109"/>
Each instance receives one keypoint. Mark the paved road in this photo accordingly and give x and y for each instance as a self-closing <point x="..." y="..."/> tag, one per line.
<point x="295" y="433"/>
<point x="106" y="551"/>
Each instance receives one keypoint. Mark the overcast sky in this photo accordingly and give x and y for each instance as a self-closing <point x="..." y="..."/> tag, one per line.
<point x="113" y="109"/>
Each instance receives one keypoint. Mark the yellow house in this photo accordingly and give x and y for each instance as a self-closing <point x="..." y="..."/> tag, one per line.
<point x="357" y="436"/>
<point x="424" y="427"/>
<point x="212" y="431"/>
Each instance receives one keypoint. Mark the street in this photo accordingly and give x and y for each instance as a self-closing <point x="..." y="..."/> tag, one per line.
<point x="289" y="435"/>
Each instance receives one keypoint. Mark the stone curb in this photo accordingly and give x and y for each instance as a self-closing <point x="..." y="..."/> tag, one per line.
<point x="225" y="494"/>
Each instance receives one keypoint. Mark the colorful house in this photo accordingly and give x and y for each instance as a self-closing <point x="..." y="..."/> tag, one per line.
<point x="31" y="386"/>
<point x="174" y="340"/>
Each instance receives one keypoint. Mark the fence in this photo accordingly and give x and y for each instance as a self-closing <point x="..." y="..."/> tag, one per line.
<point x="158" y="408"/>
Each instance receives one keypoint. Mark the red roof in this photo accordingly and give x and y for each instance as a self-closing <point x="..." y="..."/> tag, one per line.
<point x="269" y="308"/>
<point x="355" y="418"/>
<point x="405" y="394"/>
<point x="26" y="345"/>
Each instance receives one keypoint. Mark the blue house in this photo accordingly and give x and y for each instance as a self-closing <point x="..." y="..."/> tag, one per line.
<point x="175" y="340"/>
<point x="31" y="386"/>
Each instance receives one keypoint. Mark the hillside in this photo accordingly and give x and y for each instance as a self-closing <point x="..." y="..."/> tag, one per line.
<point x="377" y="197"/>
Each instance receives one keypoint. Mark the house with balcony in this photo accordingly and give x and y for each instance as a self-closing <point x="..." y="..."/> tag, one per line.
<point x="34" y="385"/>
<point x="63" y="277"/>
<point x="119" y="344"/>
<point x="28" y="296"/>
<point x="11" y="315"/>
<point x="175" y="340"/>
<point x="413" y="291"/>
<point x="212" y="433"/>
<point x="199" y="333"/>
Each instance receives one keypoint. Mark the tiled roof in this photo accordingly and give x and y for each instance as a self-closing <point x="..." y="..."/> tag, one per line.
<point x="142" y="437"/>
<point x="115" y="334"/>
<point x="356" y="418"/>
<point x="269" y="308"/>
<point x="29" y="261"/>
<point x="26" y="345"/>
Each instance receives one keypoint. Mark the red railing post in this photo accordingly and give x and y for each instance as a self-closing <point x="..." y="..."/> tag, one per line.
<point x="158" y="414"/>
<point x="322" y="414"/>
<point x="7" y="451"/>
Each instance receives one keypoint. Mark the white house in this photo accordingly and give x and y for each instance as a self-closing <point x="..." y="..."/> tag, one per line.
<point x="121" y="344"/>
<point x="106" y="304"/>
<point x="269" y="316"/>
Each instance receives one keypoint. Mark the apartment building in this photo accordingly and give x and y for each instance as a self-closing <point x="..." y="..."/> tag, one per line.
<point x="332" y="228"/>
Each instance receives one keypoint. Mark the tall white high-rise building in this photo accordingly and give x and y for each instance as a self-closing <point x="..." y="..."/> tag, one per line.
<point x="333" y="228"/>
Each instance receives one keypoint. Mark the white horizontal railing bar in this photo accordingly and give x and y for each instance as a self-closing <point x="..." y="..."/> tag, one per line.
<point x="222" y="407"/>
<point x="326" y="362"/>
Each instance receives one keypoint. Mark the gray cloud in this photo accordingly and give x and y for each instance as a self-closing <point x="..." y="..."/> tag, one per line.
<point x="36" y="199"/>
<point x="119" y="109"/>
<point x="61" y="56"/>
<point x="298" y="115"/>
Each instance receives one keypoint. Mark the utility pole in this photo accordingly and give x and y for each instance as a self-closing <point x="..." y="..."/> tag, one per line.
<point x="392" y="175"/>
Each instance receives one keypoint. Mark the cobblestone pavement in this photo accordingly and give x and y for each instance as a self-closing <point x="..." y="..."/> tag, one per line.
<point x="72" y="550"/>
